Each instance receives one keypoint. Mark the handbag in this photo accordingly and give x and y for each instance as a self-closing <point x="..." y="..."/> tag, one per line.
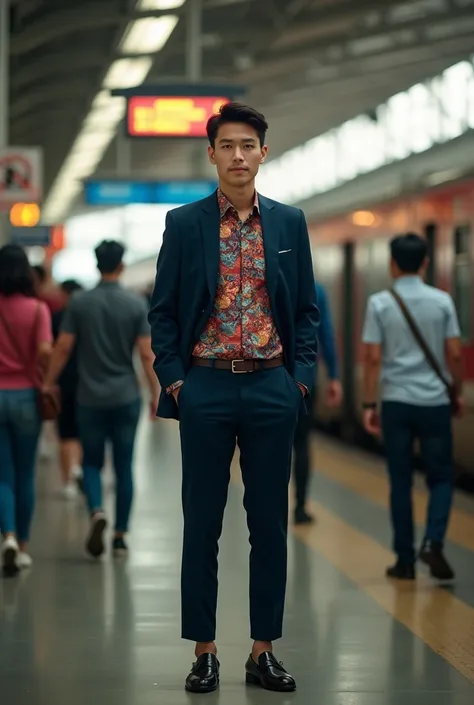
<point x="430" y="358"/>
<point x="48" y="403"/>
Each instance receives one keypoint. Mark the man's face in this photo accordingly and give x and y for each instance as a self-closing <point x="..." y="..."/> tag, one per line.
<point x="237" y="154"/>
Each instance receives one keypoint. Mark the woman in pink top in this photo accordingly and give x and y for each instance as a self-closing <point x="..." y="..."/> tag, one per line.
<point x="25" y="348"/>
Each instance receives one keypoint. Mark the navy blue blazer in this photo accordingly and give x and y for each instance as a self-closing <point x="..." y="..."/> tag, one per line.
<point x="186" y="281"/>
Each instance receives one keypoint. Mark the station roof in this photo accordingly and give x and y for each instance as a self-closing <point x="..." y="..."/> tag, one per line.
<point x="308" y="65"/>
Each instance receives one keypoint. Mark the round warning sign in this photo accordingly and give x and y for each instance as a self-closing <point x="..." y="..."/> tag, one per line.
<point x="20" y="176"/>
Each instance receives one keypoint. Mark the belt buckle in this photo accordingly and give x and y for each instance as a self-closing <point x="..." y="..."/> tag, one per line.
<point x="238" y="372"/>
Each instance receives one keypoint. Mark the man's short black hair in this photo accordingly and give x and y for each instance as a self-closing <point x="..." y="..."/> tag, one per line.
<point x="70" y="286"/>
<point x="409" y="251"/>
<point x="109" y="254"/>
<point x="236" y="112"/>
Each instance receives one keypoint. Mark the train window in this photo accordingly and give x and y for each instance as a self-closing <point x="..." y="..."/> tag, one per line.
<point x="430" y="235"/>
<point x="463" y="278"/>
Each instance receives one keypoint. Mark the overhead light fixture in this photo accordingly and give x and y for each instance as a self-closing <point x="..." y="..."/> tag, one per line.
<point x="102" y="118"/>
<point x="150" y="5"/>
<point x="363" y="218"/>
<point x="90" y="141"/>
<point x="127" y="73"/>
<point x="148" y="35"/>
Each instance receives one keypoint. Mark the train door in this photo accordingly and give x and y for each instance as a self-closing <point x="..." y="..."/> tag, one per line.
<point x="349" y="308"/>
<point x="462" y="292"/>
<point x="462" y="280"/>
<point x="430" y="235"/>
<point x="370" y="274"/>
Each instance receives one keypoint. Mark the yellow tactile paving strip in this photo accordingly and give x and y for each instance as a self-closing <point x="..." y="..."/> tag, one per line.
<point x="348" y="470"/>
<point x="440" y="620"/>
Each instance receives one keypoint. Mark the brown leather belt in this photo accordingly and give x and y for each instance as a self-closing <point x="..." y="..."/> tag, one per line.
<point x="238" y="366"/>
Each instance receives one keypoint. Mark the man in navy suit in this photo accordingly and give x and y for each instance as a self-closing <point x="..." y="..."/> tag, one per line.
<point x="234" y="331"/>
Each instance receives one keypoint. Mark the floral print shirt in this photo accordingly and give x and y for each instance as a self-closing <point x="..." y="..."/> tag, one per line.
<point x="241" y="324"/>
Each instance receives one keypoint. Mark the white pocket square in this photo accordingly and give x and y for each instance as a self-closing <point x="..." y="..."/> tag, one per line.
<point x="282" y="252"/>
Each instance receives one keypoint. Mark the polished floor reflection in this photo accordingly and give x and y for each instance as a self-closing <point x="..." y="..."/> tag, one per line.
<point x="73" y="631"/>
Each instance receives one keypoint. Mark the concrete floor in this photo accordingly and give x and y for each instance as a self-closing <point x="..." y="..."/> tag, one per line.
<point x="73" y="632"/>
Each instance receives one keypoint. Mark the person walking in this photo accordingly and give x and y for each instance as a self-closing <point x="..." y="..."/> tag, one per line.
<point x="107" y="324"/>
<point x="25" y="348"/>
<point x="70" y="452"/>
<point x="306" y="422"/>
<point x="412" y="344"/>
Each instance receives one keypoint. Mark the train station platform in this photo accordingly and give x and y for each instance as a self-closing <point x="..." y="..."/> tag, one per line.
<point x="75" y="632"/>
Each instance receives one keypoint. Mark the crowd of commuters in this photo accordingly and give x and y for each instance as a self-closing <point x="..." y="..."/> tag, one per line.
<point x="85" y="341"/>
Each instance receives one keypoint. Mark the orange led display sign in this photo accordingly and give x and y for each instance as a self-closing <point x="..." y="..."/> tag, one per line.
<point x="25" y="215"/>
<point x="170" y="116"/>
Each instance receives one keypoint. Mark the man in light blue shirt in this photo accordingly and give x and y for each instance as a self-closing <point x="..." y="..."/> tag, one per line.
<point x="415" y="401"/>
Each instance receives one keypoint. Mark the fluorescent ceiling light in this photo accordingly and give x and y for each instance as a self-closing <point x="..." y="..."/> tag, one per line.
<point x="148" y="35"/>
<point x="91" y="141"/>
<point x="127" y="73"/>
<point x="102" y="99"/>
<point x="105" y="118"/>
<point x="146" y="5"/>
<point x="145" y="35"/>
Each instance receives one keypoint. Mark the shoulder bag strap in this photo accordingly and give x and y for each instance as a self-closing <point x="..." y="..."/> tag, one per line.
<point x="17" y="347"/>
<point x="430" y="358"/>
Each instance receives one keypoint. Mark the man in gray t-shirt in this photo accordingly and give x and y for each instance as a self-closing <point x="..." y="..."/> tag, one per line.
<point x="415" y="402"/>
<point x="107" y="325"/>
<point x="107" y="322"/>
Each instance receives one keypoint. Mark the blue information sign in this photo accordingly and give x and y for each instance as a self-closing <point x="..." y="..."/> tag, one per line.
<point x="121" y="193"/>
<point x="38" y="236"/>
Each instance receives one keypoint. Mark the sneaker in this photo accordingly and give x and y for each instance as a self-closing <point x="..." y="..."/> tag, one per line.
<point x="10" y="555"/>
<point x="401" y="571"/>
<point x="432" y="555"/>
<point x="95" y="539"/>
<point x="76" y="473"/>
<point x="119" y="547"/>
<point x="24" y="560"/>
<point x="69" y="491"/>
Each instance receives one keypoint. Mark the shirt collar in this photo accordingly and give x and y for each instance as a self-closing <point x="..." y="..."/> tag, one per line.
<point x="225" y="204"/>
<point x="108" y="283"/>
<point x="409" y="280"/>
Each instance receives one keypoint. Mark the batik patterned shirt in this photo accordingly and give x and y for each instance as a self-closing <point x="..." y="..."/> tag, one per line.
<point x="241" y="323"/>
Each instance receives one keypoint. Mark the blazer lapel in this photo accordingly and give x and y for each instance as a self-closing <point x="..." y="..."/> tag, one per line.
<point x="210" y="231"/>
<point x="271" y="242"/>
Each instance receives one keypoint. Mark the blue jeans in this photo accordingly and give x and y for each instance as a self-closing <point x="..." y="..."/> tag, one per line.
<point x="20" y="427"/>
<point x="401" y="425"/>
<point x="117" y="424"/>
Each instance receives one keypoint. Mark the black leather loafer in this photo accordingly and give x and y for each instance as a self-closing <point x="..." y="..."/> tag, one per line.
<point x="204" y="676"/>
<point x="269" y="673"/>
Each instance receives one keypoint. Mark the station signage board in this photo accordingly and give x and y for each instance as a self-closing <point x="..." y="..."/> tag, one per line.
<point x="119" y="192"/>
<point x="36" y="236"/>
<point x="21" y="176"/>
<point x="170" y="116"/>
